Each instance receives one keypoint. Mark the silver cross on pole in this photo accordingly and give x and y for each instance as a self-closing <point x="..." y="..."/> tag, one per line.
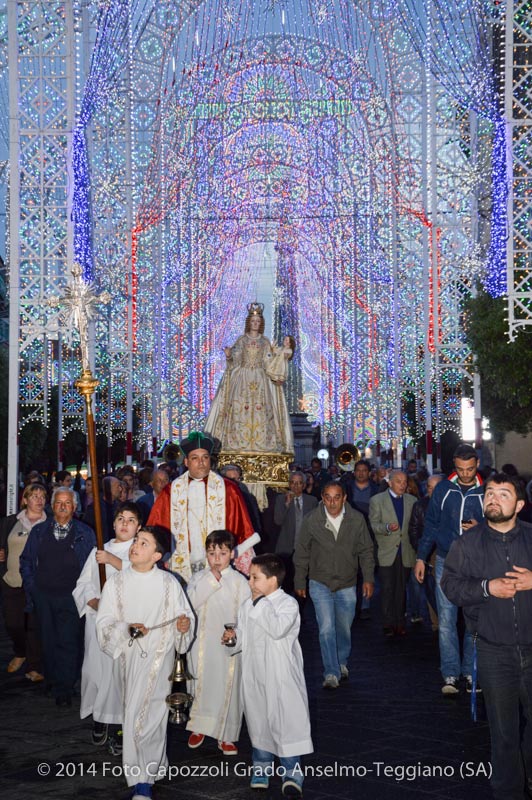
<point x="80" y="307"/>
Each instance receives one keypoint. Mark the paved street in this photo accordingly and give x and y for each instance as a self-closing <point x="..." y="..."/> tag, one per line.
<point x="386" y="735"/>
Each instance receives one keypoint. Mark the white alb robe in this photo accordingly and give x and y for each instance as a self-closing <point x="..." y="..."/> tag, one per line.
<point x="274" y="692"/>
<point x="149" y="598"/>
<point x="217" y="707"/>
<point x="101" y="689"/>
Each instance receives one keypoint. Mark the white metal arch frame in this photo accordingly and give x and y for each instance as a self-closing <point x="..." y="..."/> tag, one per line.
<point x="518" y="112"/>
<point x="41" y="44"/>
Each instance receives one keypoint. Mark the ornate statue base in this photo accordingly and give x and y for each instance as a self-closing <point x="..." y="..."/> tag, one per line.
<point x="260" y="471"/>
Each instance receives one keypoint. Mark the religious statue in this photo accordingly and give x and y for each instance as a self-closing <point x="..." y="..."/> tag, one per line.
<point x="249" y="412"/>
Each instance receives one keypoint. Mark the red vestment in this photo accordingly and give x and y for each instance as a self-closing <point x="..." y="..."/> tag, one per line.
<point x="236" y="514"/>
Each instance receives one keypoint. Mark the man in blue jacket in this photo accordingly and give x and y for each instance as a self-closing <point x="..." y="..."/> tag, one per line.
<point x="489" y="573"/>
<point x="455" y="507"/>
<point x="50" y="565"/>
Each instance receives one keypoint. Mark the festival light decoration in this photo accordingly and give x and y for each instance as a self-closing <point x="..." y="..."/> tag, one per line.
<point x="296" y="129"/>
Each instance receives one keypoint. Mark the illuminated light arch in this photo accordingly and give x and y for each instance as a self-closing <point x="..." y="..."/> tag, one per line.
<point x="244" y="132"/>
<point x="375" y="262"/>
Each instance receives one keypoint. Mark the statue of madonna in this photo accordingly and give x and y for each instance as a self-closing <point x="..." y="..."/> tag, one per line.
<point x="249" y="412"/>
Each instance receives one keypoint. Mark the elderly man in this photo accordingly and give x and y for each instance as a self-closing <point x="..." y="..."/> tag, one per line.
<point x="389" y="516"/>
<point x="456" y="506"/>
<point x="50" y="565"/>
<point x="198" y="502"/>
<point x="159" y="480"/>
<point x="64" y="479"/>
<point x="488" y="572"/>
<point x="290" y="508"/>
<point x="333" y="541"/>
<point x="234" y="473"/>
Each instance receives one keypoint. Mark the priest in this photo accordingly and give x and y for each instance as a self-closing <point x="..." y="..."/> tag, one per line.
<point x="198" y="502"/>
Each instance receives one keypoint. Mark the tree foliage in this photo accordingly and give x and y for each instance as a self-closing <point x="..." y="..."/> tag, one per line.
<point x="503" y="366"/>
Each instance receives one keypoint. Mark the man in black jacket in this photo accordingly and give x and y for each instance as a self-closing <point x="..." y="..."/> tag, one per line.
<point x="488" y="571"/>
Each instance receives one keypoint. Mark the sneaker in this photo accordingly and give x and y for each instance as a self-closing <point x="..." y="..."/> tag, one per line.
<point x="416" y="619"/>
<point x="259" y="782"/>
<point x="228" y="748"/>
<point x="195" y="740"/>
<point x="292" y="789"/>
<point x="114" y="745"/>
<point x="141" y="791"/>
<point x="99" y="733"/>
<point x="469" y="685"/>
<point x="450" y="686"/>
<point x="330" y="682"/>
<point x="344" y="673"/>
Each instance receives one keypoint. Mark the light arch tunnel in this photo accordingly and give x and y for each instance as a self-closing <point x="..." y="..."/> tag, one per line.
<point x="362" y="215"/>
<point x="246" y="179"/>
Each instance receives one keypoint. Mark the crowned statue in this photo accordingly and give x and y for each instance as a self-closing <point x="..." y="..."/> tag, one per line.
<point x="249" y="413"/>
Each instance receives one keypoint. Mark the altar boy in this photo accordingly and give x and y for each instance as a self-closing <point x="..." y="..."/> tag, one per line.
<point x="143" y="617"/>
<point x="273" y="683"/>
<point x="101" y="689"/>
<point x="216" y="594"/>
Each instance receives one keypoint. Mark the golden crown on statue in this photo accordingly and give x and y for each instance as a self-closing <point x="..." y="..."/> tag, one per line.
<point x="256" y="308"/>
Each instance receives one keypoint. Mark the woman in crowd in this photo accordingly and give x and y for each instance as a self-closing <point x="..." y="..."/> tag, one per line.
<point x="21" y="626"/>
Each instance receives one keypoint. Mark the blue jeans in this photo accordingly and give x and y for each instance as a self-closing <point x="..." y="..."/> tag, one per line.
<point x="448" y="634"/>
<point x="505" y="674"/>
<point x="416" y="596"/>
<point x="263" y="765"/>
<point x="335" y="612"/>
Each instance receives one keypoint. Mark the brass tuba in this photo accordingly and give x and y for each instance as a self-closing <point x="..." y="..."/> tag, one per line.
<point x="172" y="452"/>
<point x="346" y="456"/>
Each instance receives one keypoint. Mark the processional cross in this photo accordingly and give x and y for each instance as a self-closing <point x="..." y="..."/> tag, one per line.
<point x="80" y="304"/>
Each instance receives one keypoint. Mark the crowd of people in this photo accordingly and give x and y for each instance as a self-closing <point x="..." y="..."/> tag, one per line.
<point x="432" y="543"/>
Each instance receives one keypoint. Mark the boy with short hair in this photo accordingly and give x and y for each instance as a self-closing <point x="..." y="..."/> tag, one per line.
<point x="143" y="617"/>
<point x="274" y="693"/>
<point x="216" y="593"/>
<point x="101" y="690"/>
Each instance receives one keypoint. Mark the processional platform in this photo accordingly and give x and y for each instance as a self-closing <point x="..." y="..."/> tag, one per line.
<point x="260" y="471"/>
